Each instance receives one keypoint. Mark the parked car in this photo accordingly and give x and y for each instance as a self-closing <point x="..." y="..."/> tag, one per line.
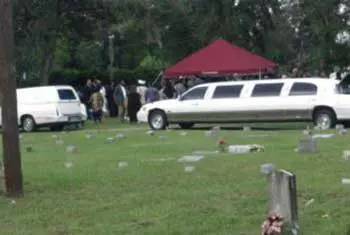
<point x="48" y="106"/>
<point x="323" y="101"/>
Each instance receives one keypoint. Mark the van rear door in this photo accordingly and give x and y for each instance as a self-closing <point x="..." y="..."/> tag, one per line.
<point x="69" y="103"/>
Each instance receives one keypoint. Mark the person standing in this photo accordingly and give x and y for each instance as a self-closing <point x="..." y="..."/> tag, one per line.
<point x="141" y="89"/>
<point x="134" y="104"/>
<point x="96" y="106"/>
<point x="86" y="95"/>
<point x="151" y="94"/>
<point x="121" y="100"/>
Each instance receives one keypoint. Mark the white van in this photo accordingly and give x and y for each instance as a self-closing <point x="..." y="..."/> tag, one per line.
<point x="48" y="106"/>
<point x="323" y="101"/>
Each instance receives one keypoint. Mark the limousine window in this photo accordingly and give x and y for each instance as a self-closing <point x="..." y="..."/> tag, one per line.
<point x="303" y="88"/>
<point x="195" y="94"/>
<point x="222" y="92"/>
<point x="270" y="89"/>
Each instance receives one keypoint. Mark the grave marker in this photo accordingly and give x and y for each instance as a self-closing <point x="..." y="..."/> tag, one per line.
<point x="109" y="140"/>
<point x="307" y="145"/>
<point x="283" y="198"/>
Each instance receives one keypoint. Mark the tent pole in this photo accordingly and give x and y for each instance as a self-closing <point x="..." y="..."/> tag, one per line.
<point x="157" y="78"/>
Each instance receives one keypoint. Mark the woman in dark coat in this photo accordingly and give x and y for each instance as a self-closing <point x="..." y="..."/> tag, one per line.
<point x="134" y="104"/>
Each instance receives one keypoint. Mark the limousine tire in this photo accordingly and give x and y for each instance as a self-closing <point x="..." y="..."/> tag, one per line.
<point x="157" y="120"/>
<point x="28" y="123"/>
<point x="324" y="118"/>
<point x="186" y="125"/>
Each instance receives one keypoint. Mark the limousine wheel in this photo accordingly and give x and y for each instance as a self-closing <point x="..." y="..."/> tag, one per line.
<point x="186" y="125"/>
<point x="157" y="120"/>
<point x="324" y="118"/>
<point x="28" y="124"/>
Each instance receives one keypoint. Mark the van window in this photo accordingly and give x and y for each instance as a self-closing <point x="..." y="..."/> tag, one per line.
<point x="195" y="94"/>
<point x="270" y="89"/>
<point x="66" y="94"/>
<point x="303" y="88"/>
<point x="222" y="92"/>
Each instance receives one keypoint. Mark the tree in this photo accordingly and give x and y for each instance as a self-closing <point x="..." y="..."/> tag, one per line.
<point x="11" y="153"/>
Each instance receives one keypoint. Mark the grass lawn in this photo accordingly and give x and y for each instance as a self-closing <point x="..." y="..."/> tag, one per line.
<point x="224" y="195"/>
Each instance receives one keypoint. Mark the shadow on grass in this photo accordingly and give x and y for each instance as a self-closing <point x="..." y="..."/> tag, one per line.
<point x="253" y="127"/>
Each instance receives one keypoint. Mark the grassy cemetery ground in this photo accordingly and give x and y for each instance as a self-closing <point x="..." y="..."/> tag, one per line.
<point x="136" y="185"/>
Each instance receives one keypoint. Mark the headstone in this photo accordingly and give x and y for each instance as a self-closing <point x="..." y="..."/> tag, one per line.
<point x="68" y="164"/>
<point x="283" y="198"/>
<point x="189" y="169"/>
<point x="109" y="140"/>
<point x="120" y="136"/>
<point x="267" y="169"/>
<point x="345" y="181"/>
<point x="71" y="149"/>
<point x="88" y="136"/>
<point x="346" y="155"/>
<point x="183" y="133"/>
<point x="55" y="137"/>
<point x="122" y="164"/>
<point x="209" y="134"/>
<point x="150" y="133"/>
<point x="163" y="137"/>
<point x="59" y="142"/>
<point x="307" y="145"/>
<point x="239" y="149"/>
<point x="343" y="131"/>
<point x="247" y="128"/>
<point x="190" y="158"/>
<point x="339" y="127"/>
<point x="322" y="136"/>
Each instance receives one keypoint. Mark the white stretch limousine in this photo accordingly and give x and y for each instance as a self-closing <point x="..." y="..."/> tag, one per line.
<point x="323" y="101"/>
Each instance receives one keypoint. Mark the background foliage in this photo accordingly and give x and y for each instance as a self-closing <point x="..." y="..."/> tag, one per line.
<point x="59" y="41"/>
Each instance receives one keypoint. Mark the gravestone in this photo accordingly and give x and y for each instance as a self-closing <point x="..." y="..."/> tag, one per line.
<point x="150" y="132"/>
<point x="307" y="145"/>
<point x="283" y="198"/>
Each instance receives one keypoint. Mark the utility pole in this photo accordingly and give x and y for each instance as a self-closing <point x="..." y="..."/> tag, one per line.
<point x="13" y="184"/>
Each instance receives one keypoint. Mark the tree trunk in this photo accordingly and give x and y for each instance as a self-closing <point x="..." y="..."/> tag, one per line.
<point x="11" y="153"/>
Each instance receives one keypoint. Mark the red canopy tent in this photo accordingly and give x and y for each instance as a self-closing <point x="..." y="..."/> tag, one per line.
<point x="220" y="58"/>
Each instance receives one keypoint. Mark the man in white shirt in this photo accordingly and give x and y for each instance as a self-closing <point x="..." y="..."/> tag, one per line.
<point x="141" y="89"/>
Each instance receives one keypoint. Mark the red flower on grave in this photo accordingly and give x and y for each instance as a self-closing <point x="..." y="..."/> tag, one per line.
<point x="272" y="225"/>
<point x="222" y="144"/>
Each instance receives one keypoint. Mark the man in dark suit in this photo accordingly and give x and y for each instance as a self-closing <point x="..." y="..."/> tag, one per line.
<point x="121" y="100"/>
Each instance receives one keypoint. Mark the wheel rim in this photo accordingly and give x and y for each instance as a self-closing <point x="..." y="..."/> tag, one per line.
<point x="157" y="121"/>
<point x="28" y="124"/>
<point x="324" y="121"/>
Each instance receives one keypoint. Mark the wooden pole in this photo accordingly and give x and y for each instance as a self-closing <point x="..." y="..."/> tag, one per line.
<point x="13" y="184"/>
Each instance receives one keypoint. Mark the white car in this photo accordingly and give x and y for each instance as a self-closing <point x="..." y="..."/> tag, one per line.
<point x="323" y="101"/>
<point x="48" y="106"/>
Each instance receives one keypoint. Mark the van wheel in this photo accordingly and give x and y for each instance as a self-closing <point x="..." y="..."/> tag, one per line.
<point x="157" y="120"/>
<point x="324" y="118"/>
<point x="186" y="125"/>
<point x="28" y="123"/>
<point x="57" y="128"/>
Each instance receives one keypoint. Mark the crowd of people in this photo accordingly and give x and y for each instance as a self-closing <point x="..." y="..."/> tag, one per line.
<point x="123" y="101"/>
